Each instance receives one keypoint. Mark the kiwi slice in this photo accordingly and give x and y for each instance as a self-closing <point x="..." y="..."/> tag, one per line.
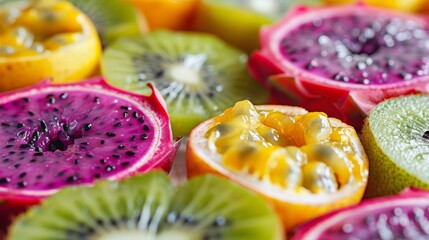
<point x="112" y="18"/>
<point x="149" y="207"/>
<point x="396" y="139"/>
<point x="198" y="75"/>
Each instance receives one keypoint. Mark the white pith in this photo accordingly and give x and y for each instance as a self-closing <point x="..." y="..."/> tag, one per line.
<point x="134" y="234"/>
<point x="199" y="144"/>
<point x="184" y="74"/>
<point x="144" y="107"/>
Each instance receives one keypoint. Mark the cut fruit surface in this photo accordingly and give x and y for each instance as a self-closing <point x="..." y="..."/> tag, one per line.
<point x="54" y="136"/>
<point x="112" y="18"/>
<point x="149" y="207"/>
<point x="396" y="136"/>
<point x="404" y="216"/>
<point x="306" y="164"/>
<point x="318" y="57"/>
<point x="198" y="74"/>
<point x="45" y="39"/>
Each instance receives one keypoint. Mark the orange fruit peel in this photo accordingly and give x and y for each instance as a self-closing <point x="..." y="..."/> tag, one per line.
<point x="32" y="48"/>
<point x="312" y="166"/>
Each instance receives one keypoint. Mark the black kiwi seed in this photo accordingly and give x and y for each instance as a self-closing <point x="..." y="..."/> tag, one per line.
<point x="426" y="135"/>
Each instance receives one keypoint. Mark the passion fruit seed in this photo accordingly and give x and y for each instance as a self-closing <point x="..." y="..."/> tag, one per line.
<point x="316" y="127"/>
<point x="319" y="177"/>
<point x="257" y="145"/>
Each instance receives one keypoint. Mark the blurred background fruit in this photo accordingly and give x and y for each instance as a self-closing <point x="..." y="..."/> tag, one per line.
<point x="403" y="5"/>
<point x="166" y="14"/>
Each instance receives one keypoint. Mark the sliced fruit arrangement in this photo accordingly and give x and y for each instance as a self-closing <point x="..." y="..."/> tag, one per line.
<point x="334" y="59"/>
<point x="45" y="39"/>
<point x="112" y="18"/>
<point x="198" y="74"/>
<point x="166" y="14"/>
<point x="396" y="137"/>
<point x="60" y="135"/>
<point x="404" y="216"/>
<point x="305" y="163"/>
<point x="149" y="207"/>
<point x="238" y="21"/>
<point x="409" y="6"/>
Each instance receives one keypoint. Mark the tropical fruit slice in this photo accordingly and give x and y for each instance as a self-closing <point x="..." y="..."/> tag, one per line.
<point x="396" y="137"/>
<point x="45" y="39"/>
<point x="198" y="74"/>
<point x="166" y="14"/>
<point x="304" y="163"/>
<point x="54" y="136"/>
<point x="323" y="58"/>
<point x="237" y="21"/>
<point x="112" y="18"/>
<point x="404" y="216"/>
<point x="149" y="207"/>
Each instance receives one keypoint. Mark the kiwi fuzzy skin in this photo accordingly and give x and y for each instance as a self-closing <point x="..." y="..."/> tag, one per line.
<point x="385" y="176"/>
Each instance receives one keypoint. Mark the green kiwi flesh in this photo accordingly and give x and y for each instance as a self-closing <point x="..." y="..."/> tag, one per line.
<point x="198" y="75"/>
<point x="112" y="18"/>
<point x="150" y="207"/>
<point x="396" y="140"/>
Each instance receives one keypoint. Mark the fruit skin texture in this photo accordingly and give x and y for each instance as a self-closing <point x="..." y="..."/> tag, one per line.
<point x="293" y="86"/>
<point x="68" y="64"/>
<point x="409" y="197"/>
<point x="293" y="211"/>
<point x="383" y="168"/>
<point x="238" y="27"/>
<point x="166" y="14"/>
<point x="12" y="201"/>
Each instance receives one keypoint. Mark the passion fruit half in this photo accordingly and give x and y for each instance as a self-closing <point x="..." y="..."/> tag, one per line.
<point x="45" y="39"/>
<point x="305" y="163"/>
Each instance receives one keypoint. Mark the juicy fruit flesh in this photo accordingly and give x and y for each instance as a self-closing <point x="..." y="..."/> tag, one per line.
<point x="53" y="139"/>
<point x="300" y="153"/>
<point x="149" y="207"/>
<point x="36" y="29"/>
<point x="395" y="222"/>
<point x="364" y="48"/>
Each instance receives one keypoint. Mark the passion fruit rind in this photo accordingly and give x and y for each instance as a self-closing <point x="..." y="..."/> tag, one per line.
<point x="299" y="160"/>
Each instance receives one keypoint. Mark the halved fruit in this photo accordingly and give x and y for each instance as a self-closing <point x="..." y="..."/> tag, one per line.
<point x="166" y="14"/>
<point x="396" y="138"/>
<point x="305" y="163"/>
<point x="45" y="39"/>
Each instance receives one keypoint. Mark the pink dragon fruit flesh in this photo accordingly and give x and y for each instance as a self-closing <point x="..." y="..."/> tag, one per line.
<point x="344" y="59"/>
<point x="405" y="216"/>
<point x="52" y="136"/>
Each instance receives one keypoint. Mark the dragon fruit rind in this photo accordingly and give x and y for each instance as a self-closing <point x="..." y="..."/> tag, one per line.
<point x="53" y="136"/>
<point x="343" y="60"/>
<point x="404" y="216"/>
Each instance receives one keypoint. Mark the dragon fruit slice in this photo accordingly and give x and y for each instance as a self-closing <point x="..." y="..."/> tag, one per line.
<point x="54" y="136"/>
<point x="405" y="216"/>
<point x="343" y="60"/>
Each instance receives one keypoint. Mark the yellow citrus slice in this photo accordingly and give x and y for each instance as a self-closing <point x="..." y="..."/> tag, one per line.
<point x="305" y="163"/>
<point x="166" y="14"/>
<point x="45" y="39"/>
